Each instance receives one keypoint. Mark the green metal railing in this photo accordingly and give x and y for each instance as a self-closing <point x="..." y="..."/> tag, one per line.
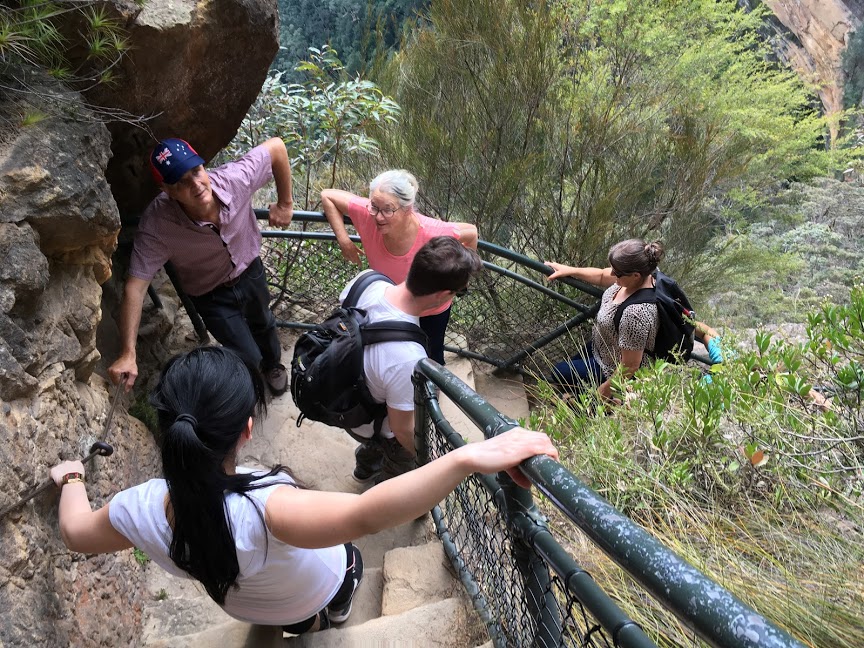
<point x="528" y="590"/>
<point x="510" y="318"/>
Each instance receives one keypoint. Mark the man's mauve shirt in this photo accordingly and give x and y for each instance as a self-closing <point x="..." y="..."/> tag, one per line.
<point x="205" y="257"/>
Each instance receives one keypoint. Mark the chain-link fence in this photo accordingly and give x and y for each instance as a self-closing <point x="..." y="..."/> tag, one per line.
<point x="521" y="604"/>
<point x="509" y="318"/>
<point x="528" y="590"/>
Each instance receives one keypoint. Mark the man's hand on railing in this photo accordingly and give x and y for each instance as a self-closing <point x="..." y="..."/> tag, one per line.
<point x="506" y="451"/>
<point x="281" y="214"/>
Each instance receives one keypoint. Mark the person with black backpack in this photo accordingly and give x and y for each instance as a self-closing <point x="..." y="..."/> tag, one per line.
<point x="643" y="315"/>
<point x="354" y="370"/>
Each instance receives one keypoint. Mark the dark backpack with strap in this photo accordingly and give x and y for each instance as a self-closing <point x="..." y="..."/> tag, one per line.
<point x="675" y="317"/>
<point x="327" y="379"/>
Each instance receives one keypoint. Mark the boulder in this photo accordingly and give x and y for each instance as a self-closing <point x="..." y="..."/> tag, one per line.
<point x="195" y="68"/>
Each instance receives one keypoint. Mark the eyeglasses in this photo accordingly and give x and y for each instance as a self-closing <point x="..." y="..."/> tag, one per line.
<point x="386" y="212"/>
<point x="618" y="274"/>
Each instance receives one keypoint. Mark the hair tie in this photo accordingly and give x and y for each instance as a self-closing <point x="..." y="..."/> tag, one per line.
<point x="188" y="418"/>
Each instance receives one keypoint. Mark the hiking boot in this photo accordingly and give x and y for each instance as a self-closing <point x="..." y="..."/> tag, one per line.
<point x="397" y="460"/>
<point x="277" y="380"/>
<point x="339" y="612"/>
<point x="367" y="460"/>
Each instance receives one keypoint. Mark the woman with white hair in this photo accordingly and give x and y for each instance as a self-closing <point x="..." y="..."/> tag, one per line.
<point x="391" y="233"/>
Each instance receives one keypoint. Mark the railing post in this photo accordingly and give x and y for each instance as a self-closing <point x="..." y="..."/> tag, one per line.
<point x="422" y="390"/>
<point x="191" y="311"/>
<point x="542" y="606"/>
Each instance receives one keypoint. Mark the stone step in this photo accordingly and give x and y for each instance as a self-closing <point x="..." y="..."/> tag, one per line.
<point x="320" y="456"/>
<point x="415" y="576"/>
<point x="462" y="369"/>
<point x="230" y="634"/>
<point x="503" y="391"/>
<point x="375" y="547"/>
<point x="178" y="607"/>
<point x="442" y="624"/>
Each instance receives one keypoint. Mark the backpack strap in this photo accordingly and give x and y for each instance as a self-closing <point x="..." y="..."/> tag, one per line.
<point x="361" y="284"/>
<point x="393" y="331"/>
<point x="641" y="296"/>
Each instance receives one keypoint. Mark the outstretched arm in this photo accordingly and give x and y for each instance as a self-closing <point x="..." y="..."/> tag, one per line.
<point x="125" y="367"/>
<point x="282" y="211"/>
<point x="334" y="203"/>
<point x="598" y="276"/>
<point x="81" y="528"/>
<point x="307" y="518"/>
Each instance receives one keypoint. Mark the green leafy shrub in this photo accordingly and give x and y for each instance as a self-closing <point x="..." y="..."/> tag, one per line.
<point x="743" y="475"/>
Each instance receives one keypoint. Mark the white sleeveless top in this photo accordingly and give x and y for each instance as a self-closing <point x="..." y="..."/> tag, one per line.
<point x="279" y="584"/>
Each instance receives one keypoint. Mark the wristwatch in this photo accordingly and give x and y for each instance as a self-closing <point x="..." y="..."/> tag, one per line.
<point x="71" y="478"/>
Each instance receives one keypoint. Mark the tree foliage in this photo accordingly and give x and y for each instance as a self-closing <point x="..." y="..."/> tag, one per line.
<point x="560" y="128"/>
<point x="323" y="120"/>
<point x="355" y="28"/>
<point x="76" y="41"/>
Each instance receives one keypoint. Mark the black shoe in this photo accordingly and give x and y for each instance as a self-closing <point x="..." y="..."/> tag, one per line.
<point x="367" y="466"/>
<point x="397" y="460"/>
<point x="340" y="613"/>
<point x="277" y="380"/>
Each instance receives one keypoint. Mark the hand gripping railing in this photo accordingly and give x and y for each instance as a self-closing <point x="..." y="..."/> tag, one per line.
<point x="306" y="272"/>
<point x="528" y="590"/>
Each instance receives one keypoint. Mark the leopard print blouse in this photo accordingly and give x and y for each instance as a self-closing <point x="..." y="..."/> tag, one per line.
<point x="638" y="331"/>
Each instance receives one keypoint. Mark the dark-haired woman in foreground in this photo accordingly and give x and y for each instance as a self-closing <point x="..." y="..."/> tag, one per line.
<point x="631" y="263"/>
<point x="266" y="551"/>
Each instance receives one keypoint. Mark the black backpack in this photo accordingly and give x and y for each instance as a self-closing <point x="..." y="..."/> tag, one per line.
<point x="327" y="379"/>
<point x="675" y="317"/>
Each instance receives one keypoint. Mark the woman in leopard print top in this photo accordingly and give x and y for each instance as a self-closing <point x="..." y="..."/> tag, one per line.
<point x="631" y="263"/>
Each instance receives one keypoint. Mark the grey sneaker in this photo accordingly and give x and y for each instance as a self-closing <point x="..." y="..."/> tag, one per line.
<point x="277" y="380"/>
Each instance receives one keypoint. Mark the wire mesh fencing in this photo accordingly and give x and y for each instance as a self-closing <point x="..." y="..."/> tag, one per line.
<point x="510" y="585"/>
<point x="509" y="318"/>
<point x="528" y="589"/>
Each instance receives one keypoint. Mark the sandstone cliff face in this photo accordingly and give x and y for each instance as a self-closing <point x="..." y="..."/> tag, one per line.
<point x="58" y="229"/>
<point x="198" y="66"/>
<point x="822" y="29"/>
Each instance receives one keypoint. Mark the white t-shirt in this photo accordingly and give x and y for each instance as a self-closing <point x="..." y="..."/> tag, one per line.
<point x="388" y="365"/>
<point x="279" y="584"/>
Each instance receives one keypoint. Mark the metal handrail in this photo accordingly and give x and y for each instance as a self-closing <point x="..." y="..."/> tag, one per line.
<point x="512" y="363"/>
<point x="711" y="611"/>
<point x="515" y="361"/>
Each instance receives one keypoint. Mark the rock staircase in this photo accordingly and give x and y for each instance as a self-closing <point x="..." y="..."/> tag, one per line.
<point x="409" y="596"/>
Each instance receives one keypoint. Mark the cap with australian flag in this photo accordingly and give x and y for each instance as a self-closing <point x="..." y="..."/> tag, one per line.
<point x="171" y="158"/>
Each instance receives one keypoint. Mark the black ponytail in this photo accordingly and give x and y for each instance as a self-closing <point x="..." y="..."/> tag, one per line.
<point x="204" y="400"/>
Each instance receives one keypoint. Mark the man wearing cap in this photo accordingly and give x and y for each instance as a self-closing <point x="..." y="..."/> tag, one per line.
<point x="203" y="222"/>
